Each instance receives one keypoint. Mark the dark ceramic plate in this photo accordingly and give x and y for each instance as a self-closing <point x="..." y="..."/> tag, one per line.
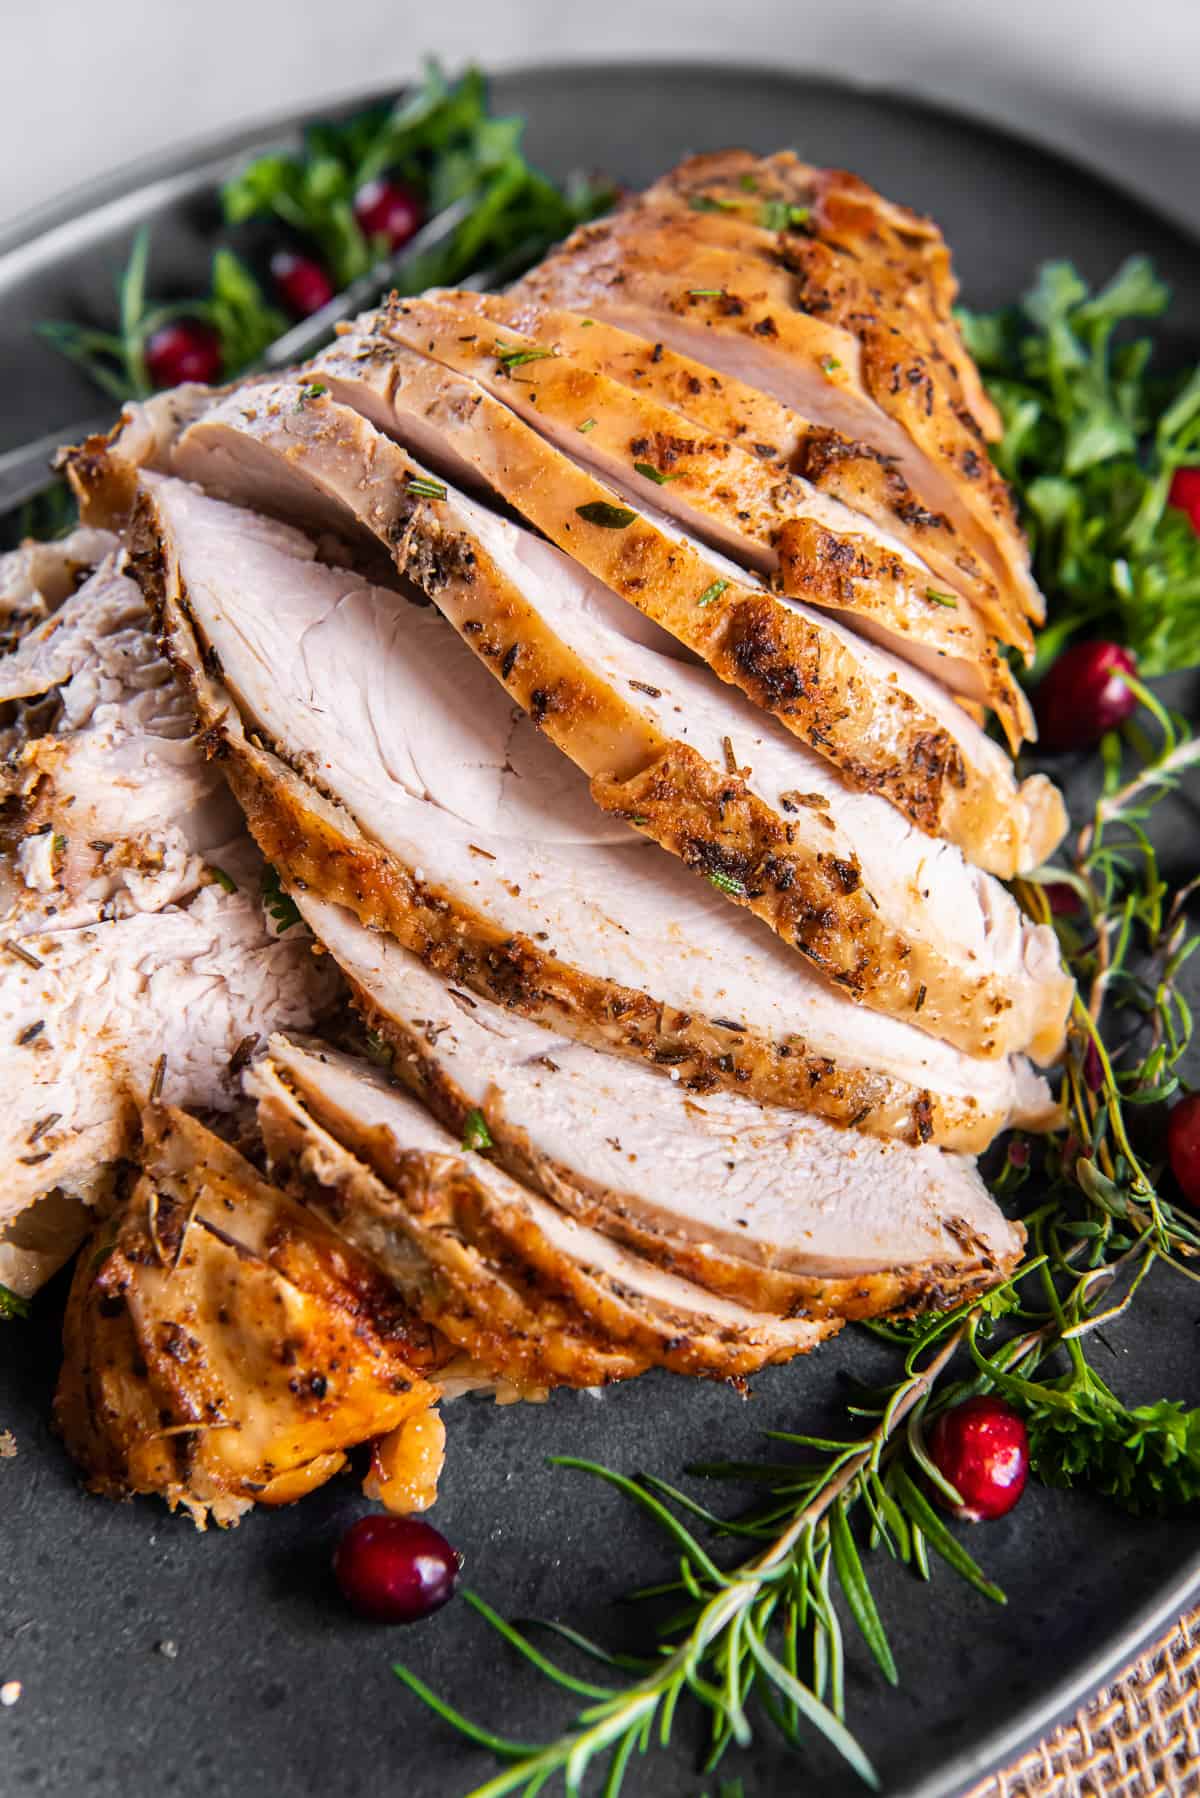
<point x="274" y="1688"/>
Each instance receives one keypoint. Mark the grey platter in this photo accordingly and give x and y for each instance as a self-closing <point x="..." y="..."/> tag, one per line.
<point x="273" y="1686"/>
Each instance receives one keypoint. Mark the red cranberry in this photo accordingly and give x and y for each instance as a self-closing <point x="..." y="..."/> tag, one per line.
<point x="387" y="208"/>
<point x="1183" y="1145"/>
<point x="395" y="1569"/>
<point x="1185" y="493"/>
<point x="981" y="1447"/>
<point x="186" y="350"/>
<point x="1018" y="1152"/>
<point x="1084" y="695"/>
<point x="1063" y="900"/>
<point x="301" y="283"/>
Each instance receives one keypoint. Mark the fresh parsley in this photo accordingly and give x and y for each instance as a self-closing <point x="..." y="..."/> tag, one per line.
<point x="441" y="139"/>
<point x="1094" y="430"/>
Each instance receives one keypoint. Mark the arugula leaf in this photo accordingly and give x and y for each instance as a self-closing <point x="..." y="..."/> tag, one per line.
<point x="1092" y="436"/>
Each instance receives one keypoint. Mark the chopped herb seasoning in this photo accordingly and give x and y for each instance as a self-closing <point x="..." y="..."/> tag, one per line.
<point x="12" y="1306"/>
<point x="707" y="293"/>
<point x="30" y="1033"/>
<point x="941" y="599"/>
<point x="426" y="489"/>
<point x="241" y="1055"/>
<point x="513" y="356"/>
<point x="23" y="954"/>
<point x="225" y="881"/>
<point x="608" y="517"/>
<point x="829" y="363"/>
<point x="476" y="1135"/>
<point x="279" y="905"/>
<point x="39" y="1130"/>
<point x="648" y="472"/>
<point x="712" y="593"/>
<point x="379" y="1050"/>
<point x="589" y="424"/>
<point x="313" y="391"/>
<point x="160" y="1075"/>
<point x="712" y="203"/>
<point x="725" y="883"/>
<point x="778" y="215"/>
<point x="920" y="1000"/>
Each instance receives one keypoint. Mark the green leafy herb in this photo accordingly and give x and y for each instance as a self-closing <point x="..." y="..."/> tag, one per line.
<point x="280" y="906"/>
<point x="513" y="356"/>
<point x="759" y="1639"/>
<point x="648" y="472"/>
<point x="725" y="883"/>
<point x="12" y="1305"/>
<point x="1093" y="433"/>
<point x="440" y="139"/>
<point x="712" y="593"/>
<point x="476" y="1135"/>
<point x="589" y="424"/>
<point x="941" y="599"/>
<point x="608" y="517"/>
<point x="425" y="488"/>
<point x="225" y="881"/>
<point x="379" y="1050"/>
<point x="116" y="359"/>
<point x="713" y="203"/>
<point x="829" y="364"/>
<point x="312" y="391"/>
<point x="780" y="215"/>
<point x="707" y="293"/>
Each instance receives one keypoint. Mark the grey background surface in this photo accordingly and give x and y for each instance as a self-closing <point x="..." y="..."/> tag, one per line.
<point x="84" y="88"/>
<point x="275" y="1688"/>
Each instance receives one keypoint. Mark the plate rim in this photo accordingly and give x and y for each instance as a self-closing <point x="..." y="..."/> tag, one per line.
<point x="141" y="175"/>
<point x="147" y="170"/>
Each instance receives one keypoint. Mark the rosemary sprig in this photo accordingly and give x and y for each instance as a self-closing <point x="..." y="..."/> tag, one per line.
<point x="762" y="1639"/>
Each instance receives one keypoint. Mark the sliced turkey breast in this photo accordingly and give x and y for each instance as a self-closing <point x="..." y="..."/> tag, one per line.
<point x="855" y="473"/>
<point x="426" y="1228"/>
<point x="36" y="578"/>
<point x="857" y="257"/>
<point x="111" y="803"/>
<point x="813" y="547"/>
<point x="902" y="923"/>
<point x="223" y="1348"/>
<point x="400" y="782"/>
<point x="779" y="1211"/>
<point x="740" y="311"/>
<point x="418" y="1180"/>
<point x="882" y="724"/>
<point x="92" y="1018"/>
